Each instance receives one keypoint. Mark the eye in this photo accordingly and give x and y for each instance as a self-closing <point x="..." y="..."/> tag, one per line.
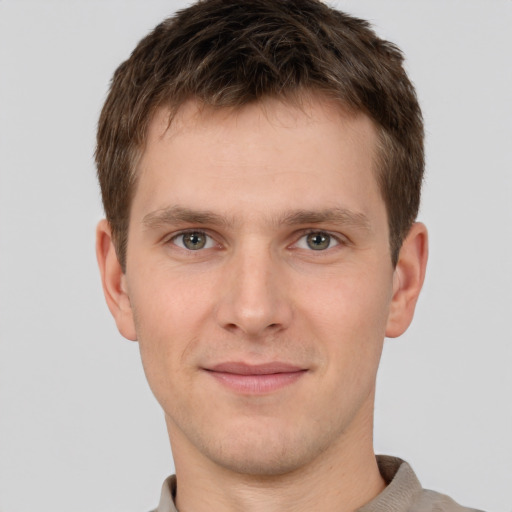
<point x="317" y="241"/>
<point x="193" y="241"/>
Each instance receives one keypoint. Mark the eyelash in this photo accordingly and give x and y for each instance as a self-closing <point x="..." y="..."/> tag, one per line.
<point x="339" y="241"/>
<point x="181" y="234"/>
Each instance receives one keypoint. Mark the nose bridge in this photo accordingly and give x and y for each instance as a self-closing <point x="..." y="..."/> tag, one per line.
<point x="254" y="300"/>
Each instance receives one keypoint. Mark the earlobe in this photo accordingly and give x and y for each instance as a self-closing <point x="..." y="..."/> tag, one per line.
<point x="114" y="282"/>
<point x="408" y="280"/>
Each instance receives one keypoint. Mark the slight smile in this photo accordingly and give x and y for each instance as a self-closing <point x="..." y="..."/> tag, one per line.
<point x="256" y="379"/>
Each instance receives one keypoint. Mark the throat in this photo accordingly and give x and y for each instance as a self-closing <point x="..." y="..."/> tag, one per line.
<point x="343" y="487"/>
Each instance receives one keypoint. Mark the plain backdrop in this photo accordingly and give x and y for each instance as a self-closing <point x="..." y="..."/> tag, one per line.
<point x="79" y="428"/>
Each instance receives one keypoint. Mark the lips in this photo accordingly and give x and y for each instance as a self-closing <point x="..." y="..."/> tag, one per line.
<point x="256" y="379"/>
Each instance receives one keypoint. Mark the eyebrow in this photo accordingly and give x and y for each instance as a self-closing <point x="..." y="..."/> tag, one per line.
<point x="340" y="216"/>
<point x="179" y="214"/>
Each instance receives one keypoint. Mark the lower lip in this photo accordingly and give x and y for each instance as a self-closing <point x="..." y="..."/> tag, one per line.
<point x="256" y="384"/>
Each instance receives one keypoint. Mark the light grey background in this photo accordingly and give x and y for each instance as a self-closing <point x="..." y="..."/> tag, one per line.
<point x="79" y="428"/>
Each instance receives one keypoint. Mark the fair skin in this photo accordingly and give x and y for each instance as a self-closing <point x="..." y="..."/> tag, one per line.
<point x="260" y="288"/>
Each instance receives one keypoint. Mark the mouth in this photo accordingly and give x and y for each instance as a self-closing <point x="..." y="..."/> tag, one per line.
<point x="256" y="379"/>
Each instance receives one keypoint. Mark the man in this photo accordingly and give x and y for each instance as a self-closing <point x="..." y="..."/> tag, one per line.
<point x="260" y="165"/>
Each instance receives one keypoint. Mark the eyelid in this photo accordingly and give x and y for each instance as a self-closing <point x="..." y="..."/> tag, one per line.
<point x="171" y="239"/>
<point x="336" y="237"/>
<point x="340" y="239"/>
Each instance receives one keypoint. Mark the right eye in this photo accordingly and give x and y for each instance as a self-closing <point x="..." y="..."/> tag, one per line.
<point x="193" y="240"/>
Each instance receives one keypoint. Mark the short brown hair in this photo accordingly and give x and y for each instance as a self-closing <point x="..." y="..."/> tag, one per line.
<point x="228" y="53"/>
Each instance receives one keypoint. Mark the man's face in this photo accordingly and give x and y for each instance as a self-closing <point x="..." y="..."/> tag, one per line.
<point x="260" y="281"/>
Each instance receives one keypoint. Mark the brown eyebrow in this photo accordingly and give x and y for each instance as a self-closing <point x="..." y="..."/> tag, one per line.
<point x="177" y="214"/>
<point x="180" y="214"/>
<point x="330" y="215"/>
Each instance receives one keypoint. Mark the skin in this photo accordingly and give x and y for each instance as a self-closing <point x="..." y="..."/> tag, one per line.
<point x="254" y="183"/>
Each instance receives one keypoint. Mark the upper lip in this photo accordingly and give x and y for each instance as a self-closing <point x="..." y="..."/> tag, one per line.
<point x="239" y="368"/>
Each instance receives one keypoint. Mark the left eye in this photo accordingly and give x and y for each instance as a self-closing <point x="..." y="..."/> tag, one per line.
<point x="317" y="241"/>
<point x="193" y="241"/>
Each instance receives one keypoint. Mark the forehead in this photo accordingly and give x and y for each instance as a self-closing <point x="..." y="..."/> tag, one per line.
<point x="305" y="110"/>
<point x="265" y="155"/>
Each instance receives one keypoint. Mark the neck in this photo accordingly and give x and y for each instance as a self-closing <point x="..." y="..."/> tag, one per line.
<point x="341" y="479"/>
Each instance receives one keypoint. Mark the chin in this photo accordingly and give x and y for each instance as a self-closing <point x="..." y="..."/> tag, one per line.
<point x="261" y="454"/>
<point x="260" y="464"/>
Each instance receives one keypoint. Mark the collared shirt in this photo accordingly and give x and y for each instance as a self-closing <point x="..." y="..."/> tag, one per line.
<point x="403" y="492"/>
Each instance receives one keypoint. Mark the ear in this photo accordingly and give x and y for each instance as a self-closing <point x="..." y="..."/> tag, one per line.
<point x="408" y="279"/>
<point x="114" y="282"/>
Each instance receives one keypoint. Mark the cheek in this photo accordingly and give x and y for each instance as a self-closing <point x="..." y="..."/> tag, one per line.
<point x="348" y="317"/>
<point x="349" y="301"/>
<point x="167" y="319"/>
<point x="168" y="301"/>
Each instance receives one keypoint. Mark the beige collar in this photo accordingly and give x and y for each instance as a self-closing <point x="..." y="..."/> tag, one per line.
<point x="396" y="497"/>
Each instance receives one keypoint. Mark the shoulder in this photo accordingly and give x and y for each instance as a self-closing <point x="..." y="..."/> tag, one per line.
<point x="431" y="501"/>
<point x="404" y="493"/>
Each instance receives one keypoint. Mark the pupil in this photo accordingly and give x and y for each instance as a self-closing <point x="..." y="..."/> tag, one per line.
<point x="194" y="241"/>
<point x="318" y="241"/>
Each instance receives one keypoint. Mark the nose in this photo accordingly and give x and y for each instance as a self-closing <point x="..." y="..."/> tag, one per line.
<point x="254" y="300"/>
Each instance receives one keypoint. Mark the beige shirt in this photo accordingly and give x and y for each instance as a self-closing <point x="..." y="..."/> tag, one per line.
<point x="402" y="494"/>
